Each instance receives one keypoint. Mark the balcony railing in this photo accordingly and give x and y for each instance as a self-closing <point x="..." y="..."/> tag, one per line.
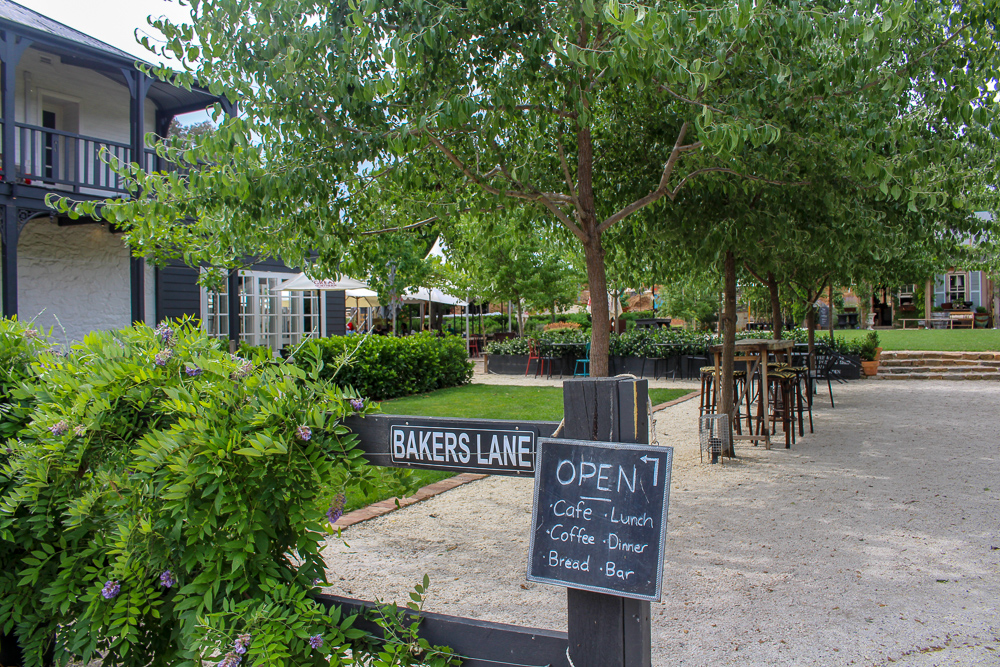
<point x="70" y="162"/>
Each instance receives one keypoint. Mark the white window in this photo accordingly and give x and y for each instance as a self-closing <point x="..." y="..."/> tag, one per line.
<point x="272" y="319"/>
<point x="957" y="288"/>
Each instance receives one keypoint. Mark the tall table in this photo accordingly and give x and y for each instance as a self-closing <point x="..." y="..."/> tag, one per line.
<point x="754" y="351"/>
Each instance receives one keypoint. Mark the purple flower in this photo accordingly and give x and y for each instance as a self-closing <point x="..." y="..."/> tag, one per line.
<point x="59" y="427"/>
<point x="163" y="357"/>
<point x="303" y="432"/>
<point x="358" y="404"/>
<point x="111" y="589"/>
<point x="316" y="641"/>
<point x="80" y="430"/>
<point x="192" y="371"/>
<point x="29" y="334"/>
<point x="241" y="644"/>
<point x="244" y="369"/>
<point x="232" y="659"/>
<point x="167" y="579"/>
<point x="165" y="334"/>
<point x="336" y="508"/>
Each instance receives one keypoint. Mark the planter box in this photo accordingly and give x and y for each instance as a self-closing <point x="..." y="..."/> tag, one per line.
<point x="508" y="364"/>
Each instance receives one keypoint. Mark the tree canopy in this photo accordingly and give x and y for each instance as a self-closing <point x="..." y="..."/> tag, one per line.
<point x="363" y="117"/>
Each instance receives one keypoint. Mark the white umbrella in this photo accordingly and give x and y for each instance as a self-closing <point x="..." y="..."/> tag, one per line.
<point x="424" y="294"/>
<point x="304" y="282"/>
<point x="367" y="296"/>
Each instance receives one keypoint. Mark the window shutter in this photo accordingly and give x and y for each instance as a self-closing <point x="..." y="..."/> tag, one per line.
<point x="976" y="288"/>
<point x="939" y="287"/>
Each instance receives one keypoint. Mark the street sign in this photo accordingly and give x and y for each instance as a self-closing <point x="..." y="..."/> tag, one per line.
<point x="485" y="446"/>
<point x="599" y="520"/>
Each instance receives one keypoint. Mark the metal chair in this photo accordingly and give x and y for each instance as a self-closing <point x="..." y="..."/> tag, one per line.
<point x="586" y="364"/>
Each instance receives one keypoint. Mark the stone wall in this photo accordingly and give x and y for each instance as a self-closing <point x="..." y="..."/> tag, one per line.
<point x="75" y="279"/>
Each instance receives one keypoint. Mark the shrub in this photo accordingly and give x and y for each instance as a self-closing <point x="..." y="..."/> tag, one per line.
<point x="553" y="326"/>
<point x="384" y="367"/>
<point x="159" y="501"/>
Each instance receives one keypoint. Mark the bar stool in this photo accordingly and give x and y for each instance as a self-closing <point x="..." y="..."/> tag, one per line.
<point x="707" y="404"/>
<point x="782" y="390"/>
<point x="802" y="374"/>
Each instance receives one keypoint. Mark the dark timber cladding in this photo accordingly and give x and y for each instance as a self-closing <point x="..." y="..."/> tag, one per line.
<point x="489" y="446"/>
<point x="607" y="630"/>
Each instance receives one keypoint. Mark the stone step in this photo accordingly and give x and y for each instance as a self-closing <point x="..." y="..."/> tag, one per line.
<point x="945" y="370"/>
<point x="922" y="354"/>
<point x="933" y="376"/>
<point x="909" y="363"/>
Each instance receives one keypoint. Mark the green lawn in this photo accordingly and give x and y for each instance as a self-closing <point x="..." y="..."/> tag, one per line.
<point x="483" y="401"/>
<point x="936" y="340"/>
<point x="474" y="401"/>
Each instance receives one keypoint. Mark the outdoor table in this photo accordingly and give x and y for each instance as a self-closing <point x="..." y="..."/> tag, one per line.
<point x="567" y="347"/>
<point x="754" y="351"/>
<point x="662" y="353"/>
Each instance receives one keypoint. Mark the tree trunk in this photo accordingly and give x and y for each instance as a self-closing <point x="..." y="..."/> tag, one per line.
<point x="600" y="329"/>
<point x="728" y="340"/>
<point x="553" y="312"/>
<point x="811" y="328"/>
<point x="830" y="293"/>
<point x="776" y="323"/>
<point x="520" y="320"/>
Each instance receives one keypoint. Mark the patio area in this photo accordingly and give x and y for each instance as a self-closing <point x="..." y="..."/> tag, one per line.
<point x="871" y="542"/>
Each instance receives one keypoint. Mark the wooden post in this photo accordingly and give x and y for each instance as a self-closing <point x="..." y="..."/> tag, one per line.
<point x="607" y="630"/>
<point x="928" y="303"/>
<point x="233" y="305"/>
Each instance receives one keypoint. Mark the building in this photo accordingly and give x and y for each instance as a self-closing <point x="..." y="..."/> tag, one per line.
<point x="66" y="98"/>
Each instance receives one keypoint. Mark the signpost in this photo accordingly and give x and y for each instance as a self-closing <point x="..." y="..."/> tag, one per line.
<point x="599" y="519"/>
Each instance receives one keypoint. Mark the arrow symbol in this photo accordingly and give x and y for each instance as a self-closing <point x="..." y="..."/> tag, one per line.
<point x="656" y="466"/>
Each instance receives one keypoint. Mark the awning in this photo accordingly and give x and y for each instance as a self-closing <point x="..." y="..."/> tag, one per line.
<point x="425" y="294"/>
<point x="304" y="282"/>
<point x="363" y="298"/>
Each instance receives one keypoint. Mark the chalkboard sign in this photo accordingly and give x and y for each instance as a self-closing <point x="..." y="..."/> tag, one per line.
<point x="824" y="316"/>
<point x="599" y="518"/>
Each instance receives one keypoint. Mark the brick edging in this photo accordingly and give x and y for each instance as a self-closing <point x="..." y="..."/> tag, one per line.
<point x="685" y="397"/>
<point x="385" y="506"/>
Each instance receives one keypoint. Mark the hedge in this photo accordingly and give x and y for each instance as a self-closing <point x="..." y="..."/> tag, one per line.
<point x="639" y="342"/>
<point x="384" y="367"/>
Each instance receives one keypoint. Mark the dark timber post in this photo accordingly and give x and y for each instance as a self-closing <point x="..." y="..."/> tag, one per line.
<point x="233" y="306"/>
<point x="138" y="87"/>
<point x="11" y="49"/>
<point x="607" y="630"/>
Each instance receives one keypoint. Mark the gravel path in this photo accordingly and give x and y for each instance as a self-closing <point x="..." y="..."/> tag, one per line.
<point x="872" y="542"/>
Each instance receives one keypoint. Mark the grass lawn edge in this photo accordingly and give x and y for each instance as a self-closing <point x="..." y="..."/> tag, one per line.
<point x="685" y="397"/>
<point x="383" y="507"/>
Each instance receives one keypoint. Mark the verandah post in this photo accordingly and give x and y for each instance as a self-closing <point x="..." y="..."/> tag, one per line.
<point x="607" y="630"/>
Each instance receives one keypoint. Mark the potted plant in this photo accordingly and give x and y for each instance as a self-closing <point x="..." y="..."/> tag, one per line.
<point x="870" y="353"/>
<point x="982" y="318"/>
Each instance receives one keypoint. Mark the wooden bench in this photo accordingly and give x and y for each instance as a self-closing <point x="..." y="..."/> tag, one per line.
<point x="962" y="319"/>
<point x="919" y="321"/>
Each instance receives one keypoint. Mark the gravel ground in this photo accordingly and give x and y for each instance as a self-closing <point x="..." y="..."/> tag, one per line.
<point x="872" y="542"/>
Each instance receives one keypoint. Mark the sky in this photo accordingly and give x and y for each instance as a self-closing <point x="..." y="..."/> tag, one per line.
<point x="114" y="22"/>
<point x="111" y="21"/>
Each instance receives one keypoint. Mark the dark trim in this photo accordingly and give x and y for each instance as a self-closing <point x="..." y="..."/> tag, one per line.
<point x="233" y="296"/>
<point x="137" y="287"/>
<point x="8" y="262"/>
<point x="480" y="643"/>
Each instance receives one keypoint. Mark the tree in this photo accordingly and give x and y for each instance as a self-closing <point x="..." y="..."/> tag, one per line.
<point x="522" y="267"/>
<point x="693" y="297"/>
<point x="387" y="114"/>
